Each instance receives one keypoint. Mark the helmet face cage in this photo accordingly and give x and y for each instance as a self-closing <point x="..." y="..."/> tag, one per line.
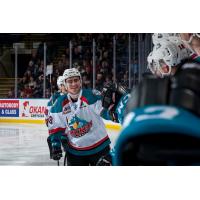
<point x="160" y="59"/>
<point x="156" y="67"/>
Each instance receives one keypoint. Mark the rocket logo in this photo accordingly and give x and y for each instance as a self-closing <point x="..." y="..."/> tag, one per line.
<point x="25" y="112"/>
<point x="79" y="127"/>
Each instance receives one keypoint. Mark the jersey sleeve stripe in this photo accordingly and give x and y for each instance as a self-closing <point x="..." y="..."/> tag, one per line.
<point x="55" y="130"/>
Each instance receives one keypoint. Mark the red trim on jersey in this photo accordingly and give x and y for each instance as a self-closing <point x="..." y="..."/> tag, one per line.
<point x="55" y="130"/>
<point x="66" y="101"/>
<point x="84" y="99"/>
<point x="194" y="55"/>
<point x="89" y="147"/>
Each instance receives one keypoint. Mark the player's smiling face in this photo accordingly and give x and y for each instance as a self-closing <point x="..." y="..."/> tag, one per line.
<point x="73" y="85"/>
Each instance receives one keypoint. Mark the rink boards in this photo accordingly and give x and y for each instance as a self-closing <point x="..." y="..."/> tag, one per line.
<point x="31" y="111"/>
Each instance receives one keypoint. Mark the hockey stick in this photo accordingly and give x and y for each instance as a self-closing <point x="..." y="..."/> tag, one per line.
<point x="65" y="158"/>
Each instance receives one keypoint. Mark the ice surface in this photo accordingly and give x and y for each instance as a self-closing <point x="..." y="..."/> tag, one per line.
<point x="25" y="144"/>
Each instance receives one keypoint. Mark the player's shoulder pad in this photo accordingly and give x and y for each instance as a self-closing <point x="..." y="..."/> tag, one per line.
<point x="91" y="95"/>
<point x="57" y="106"/>
<point x="50" y="102"/>
<point x="53" y="98"/>
<point x="185" y="90"/>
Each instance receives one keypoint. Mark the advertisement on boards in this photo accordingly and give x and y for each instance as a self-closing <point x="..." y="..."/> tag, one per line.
<point x="9" y="108"/>
<point x="31" y="108"/>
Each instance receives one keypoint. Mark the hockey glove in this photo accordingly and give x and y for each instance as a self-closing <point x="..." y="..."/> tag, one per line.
<point x="56" y="153"/>
<point x="112" y="93"/>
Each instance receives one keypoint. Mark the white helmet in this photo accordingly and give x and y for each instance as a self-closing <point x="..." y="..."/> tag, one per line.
<point x="157" y="37"/>
<point x="168" y="53"/>
<point x="71" y="73"/>
<point x="60" y="81"/>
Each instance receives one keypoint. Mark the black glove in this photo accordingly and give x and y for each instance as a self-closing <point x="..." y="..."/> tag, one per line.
<point x="112" y="93"/>
<point x="56" y="153"/>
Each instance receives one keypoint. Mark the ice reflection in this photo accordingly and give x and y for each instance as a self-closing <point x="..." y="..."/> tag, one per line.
<point x="25" y="144"/>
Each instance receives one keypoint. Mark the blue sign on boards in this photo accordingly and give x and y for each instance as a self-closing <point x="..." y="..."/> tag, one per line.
<point x="9" y="108"/>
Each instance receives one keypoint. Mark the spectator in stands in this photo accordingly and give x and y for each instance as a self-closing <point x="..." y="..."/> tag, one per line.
<point x="57" y="73"/>
<point x="23" y="81"/>
<point x="27" y="90"/>
<point x="82" y="55"/>
<point x="40" y="70"/>
<point x="60" y="66"/>
<point x="28" y="75"/>
<point x="86" y="83"/>
<point x="67" y="52"/>
<point x="104" y="67"/>
<point x="99" y="81"/>
<point x="77" y="53"/>
<point x="87" y="70"/>
<point x="64" y="61"/>
<point x="124" y="80"/>
<point x="39" y="87"/>
<point x="53" y="84"/>
<point x="22" y="95"/>
<point x="10" y="94"/>
<point x="36" y="68"/>
<point x="31" y="67"/>
<point x="135" y="66"/>
<point x="32" y="83"/>
<point x="47" y="93"/>
<point x="108" y="80"/>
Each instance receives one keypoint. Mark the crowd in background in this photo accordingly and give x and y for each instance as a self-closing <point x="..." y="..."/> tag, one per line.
<point x="31" y="84"/>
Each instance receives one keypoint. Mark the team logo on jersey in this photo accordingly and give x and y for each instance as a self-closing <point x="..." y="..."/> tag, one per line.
<point x="83" y="104"/>
<point x="79" y="127"/>
<point x="66" y="109"/>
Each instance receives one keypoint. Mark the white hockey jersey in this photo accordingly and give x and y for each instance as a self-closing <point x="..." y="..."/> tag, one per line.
<point x="80" y="122"/>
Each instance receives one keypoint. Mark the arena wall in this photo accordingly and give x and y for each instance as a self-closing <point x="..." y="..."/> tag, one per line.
<point x="31" y="111"/>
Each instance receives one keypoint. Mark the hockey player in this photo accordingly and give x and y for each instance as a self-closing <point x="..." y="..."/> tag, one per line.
<point x="162" y="61"/>
<point x="77" y="124"/>
<point x="61" y="91"/>
<point x="161" y="127"/>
